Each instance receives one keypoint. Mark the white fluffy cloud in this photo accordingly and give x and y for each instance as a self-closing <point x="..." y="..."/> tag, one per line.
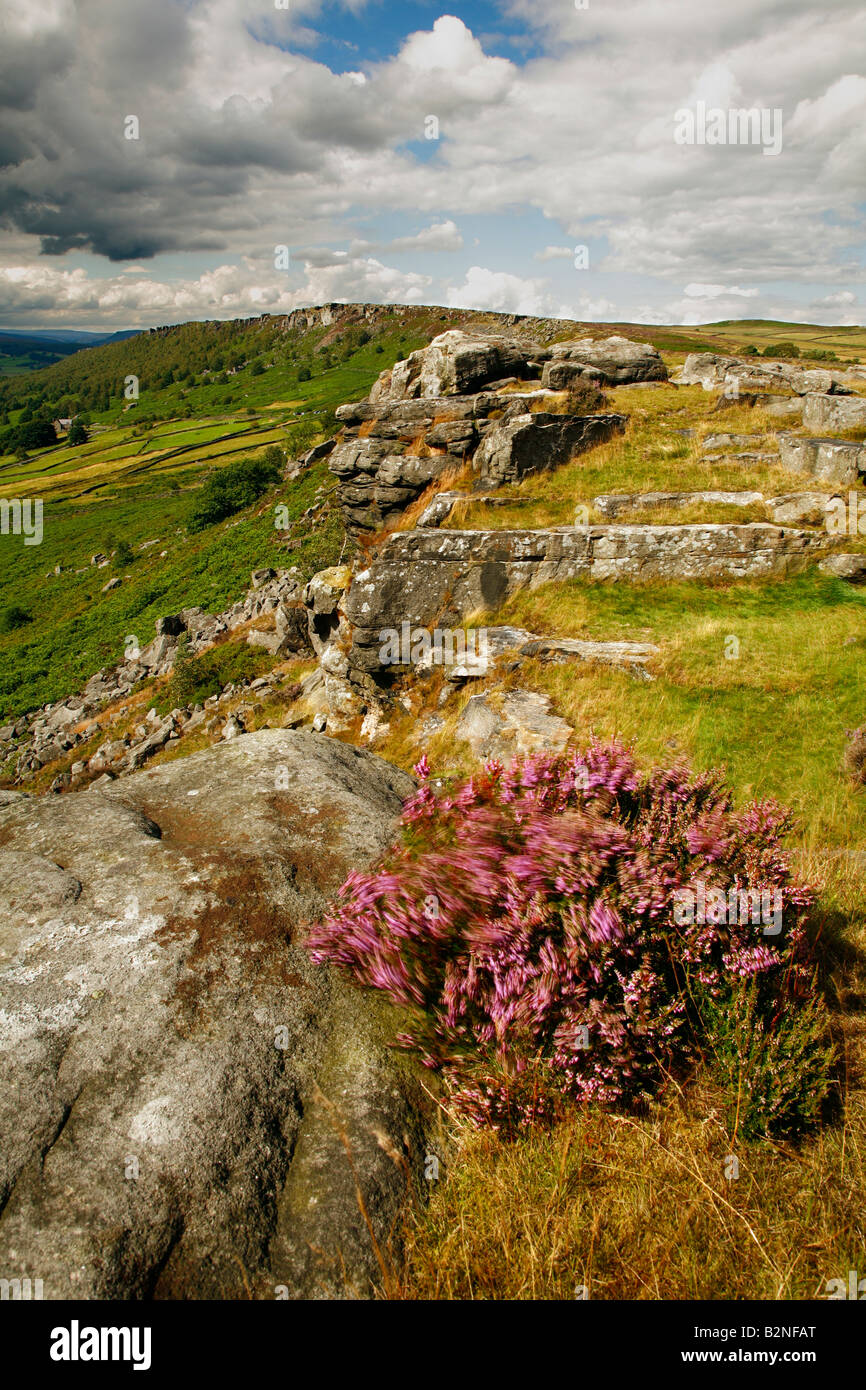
<point x="501" y="292"/>
<point x="224" y="292"/>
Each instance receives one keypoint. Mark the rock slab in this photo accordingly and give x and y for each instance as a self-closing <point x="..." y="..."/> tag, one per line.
<point x="179" y="1079"/>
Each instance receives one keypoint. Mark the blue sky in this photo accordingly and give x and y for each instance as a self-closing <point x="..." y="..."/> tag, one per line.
<point x="344" y="39"/>
<point x="555" y="128"/>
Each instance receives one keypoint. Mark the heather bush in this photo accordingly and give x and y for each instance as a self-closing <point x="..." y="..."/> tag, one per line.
<point x="526" y="923"/>
<point x="775" y="1066"/>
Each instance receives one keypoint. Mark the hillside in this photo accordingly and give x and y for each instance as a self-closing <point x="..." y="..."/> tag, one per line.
<point x="640" y="529"/>
<point x="209" y="394"/>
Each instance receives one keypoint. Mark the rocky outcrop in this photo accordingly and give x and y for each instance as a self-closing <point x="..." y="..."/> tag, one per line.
<point x="276" y="596"/>
<point x="747" y="375"/>
<point x="456" y="364"/>
<point x="390" y="453"/>
<point x="828" y="413"/>
<point x="517" y="723"/>
<point x="441" y="577"/>
<point x="612" y="505"/>
<point x="187" y="1102"/>
<point x="790" y="509"/>
<point x="849" y="567"/>
<point x="800" y="508"/>
<point x="780" y="407"/>
<point x="831" y="460"/>
<point x="612" y="361"/>
<point x="459" y="402"/>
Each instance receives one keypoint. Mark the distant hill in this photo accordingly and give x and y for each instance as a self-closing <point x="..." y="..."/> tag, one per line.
<point x="195" y="364"/>
<point x="25" y="350"/>
<point x="71" y="335"/>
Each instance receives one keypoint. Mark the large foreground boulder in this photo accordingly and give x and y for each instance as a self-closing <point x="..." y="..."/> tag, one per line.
<point x="187" y="1102"/>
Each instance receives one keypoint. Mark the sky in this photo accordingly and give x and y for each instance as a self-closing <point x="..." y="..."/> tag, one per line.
<point x="167" y="160"/>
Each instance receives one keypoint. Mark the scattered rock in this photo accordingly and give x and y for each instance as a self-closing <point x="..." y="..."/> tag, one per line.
<point x="799" y="508"/>
<point x="611" y="361"/>
<point x="745" y="375"/>
<point x="850" y="567"/>
<point x="834" y="413"/>
<point x="516" y="723"/>
<point x="515" y="448"/>
<point x="832" y="460"/>
<point x="612" y="504"/>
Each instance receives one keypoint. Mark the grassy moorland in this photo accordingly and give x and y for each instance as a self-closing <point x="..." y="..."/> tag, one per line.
<point x="642" y="1206"/>
<point x="619" y="1205"/>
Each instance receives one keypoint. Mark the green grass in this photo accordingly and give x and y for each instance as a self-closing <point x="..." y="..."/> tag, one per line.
<point x="775" y="718"/>
<point x="137" y="481"/>
<point x="76" y="629"/>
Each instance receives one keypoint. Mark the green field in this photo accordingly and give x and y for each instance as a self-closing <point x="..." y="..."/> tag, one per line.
<point x="137" y="480"/>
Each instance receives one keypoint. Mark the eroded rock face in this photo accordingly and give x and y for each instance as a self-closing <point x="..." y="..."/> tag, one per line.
<point x="165" y="1038"/>
<point x="520" y="722"/>
<point x="459" y="401"/>
<point x="427" y="577"/>
<point x="612" y="504"/>
<point x="828" y="413"/>
<point x="390" y="452"/>
<point x="534" y="443"/>
<point x="455" y="364"/>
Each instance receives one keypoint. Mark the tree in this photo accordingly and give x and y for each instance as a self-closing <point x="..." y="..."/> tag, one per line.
<point x="123" y="555"/>
<point x="236" y="486"/>
<point x="781" y="350"/>
<point x="36" y="434"/>
<point x="273" y="457"/>
<point x="77" y="433"/>
<point x="304" y="374"/>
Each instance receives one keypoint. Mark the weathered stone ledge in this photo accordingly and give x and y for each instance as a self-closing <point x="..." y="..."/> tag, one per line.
<point x="443" y="577"/>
